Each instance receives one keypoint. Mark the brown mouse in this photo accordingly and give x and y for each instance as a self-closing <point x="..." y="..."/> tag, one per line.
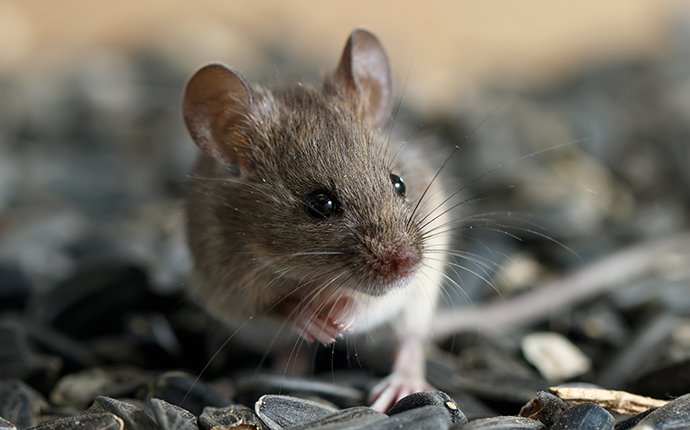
<point x="301" y="209"/>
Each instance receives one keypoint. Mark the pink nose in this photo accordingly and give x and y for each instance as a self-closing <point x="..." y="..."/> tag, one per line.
<point x="402" y="262"/>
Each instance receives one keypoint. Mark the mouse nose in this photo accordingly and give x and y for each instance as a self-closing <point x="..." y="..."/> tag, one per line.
<point x="402" y="261"/>
<point x="388" y="256"/>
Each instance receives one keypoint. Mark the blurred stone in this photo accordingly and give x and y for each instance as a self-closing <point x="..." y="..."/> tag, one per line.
<point x="520" y="272"/>
<point x="640" y="354"/>
<point x="38" y="238"/>
<point x="14" y="285"/>
<point x="663" y="378"/>
<point x="79" y="389"/>
<point x="154" y="330"/>
<point x="487" y="368"/>
<point x="496" y="389"/>
<point x="73" y="354"/>
<point x="477" y="263"/>
<point x="95" y="300"/>
<point x="556" y="358"/>
<point x="600" y="323"/>
<point x="19" y="357"/>
<point x="20" y="404"/>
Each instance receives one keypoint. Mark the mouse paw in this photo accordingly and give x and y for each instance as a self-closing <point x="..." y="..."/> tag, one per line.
<point x="325" y="323"/>
<point x="393" y="388"/>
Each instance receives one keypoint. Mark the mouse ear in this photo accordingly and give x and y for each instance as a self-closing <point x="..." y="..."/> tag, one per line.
<point x="215" y="107"/>
<point x="364" y="74"/>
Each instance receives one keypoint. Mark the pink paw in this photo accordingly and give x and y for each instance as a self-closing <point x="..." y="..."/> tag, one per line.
<point x="393" y="388"/>
<point x="326" y="323"/>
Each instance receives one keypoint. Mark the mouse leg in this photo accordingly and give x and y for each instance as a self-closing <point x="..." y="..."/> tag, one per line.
<point x="413" y="329"/>
<point x="324" y="323"/>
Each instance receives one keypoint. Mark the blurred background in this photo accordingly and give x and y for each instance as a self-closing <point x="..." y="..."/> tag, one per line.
<point x="93" y="152"/>
<point x="443" y="48"/>
<point x="578" y="117"/>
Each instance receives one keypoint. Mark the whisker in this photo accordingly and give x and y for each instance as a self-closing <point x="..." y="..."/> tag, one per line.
<point x="454" y="283"/>
<point x="395" y="117"/>
<point x="468" y="256"/>
<point x="450" y="155"/>
<point x="488" y="279"/>
<point x="209" y="361"/>
<point x="498" y="167"/>
<point x="449" y="209"/>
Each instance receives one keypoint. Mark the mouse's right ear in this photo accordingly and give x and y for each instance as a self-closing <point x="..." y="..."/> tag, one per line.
<point x="216" y="107"/>
<point x="364" y="75"/>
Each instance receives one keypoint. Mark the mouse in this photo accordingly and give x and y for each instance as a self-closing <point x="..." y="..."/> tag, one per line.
<point x="304" y="209"/>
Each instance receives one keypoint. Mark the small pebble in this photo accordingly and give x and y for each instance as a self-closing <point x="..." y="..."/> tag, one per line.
<point x="556" y="358"/>
<point x="79" y="389"/>
<point x="20" y="358"/>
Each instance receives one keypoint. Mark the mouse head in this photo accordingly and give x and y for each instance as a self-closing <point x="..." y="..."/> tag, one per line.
<point x="311" y="186"/>
<point x="219" y="105"/>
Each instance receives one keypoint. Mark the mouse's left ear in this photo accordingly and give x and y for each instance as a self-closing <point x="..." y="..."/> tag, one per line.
<point x="217" y="109"/>
<point x="364" y="74"/>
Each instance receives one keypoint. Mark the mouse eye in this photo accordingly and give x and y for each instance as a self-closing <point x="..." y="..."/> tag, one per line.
<point x="398" y="184"/>
<point x="320" y="204"/>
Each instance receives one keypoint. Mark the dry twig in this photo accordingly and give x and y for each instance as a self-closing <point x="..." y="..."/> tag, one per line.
<point x="615" y="270"/>
<point x="620" y="402"/>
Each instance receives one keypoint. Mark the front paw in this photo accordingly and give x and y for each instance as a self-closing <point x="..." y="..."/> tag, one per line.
<point x="393" y="388"/>
<point x="325" y="323"/>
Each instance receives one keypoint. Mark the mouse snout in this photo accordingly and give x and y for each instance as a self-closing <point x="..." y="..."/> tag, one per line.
<point x="401" y="262"/>
<point x="390" y="260"/>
